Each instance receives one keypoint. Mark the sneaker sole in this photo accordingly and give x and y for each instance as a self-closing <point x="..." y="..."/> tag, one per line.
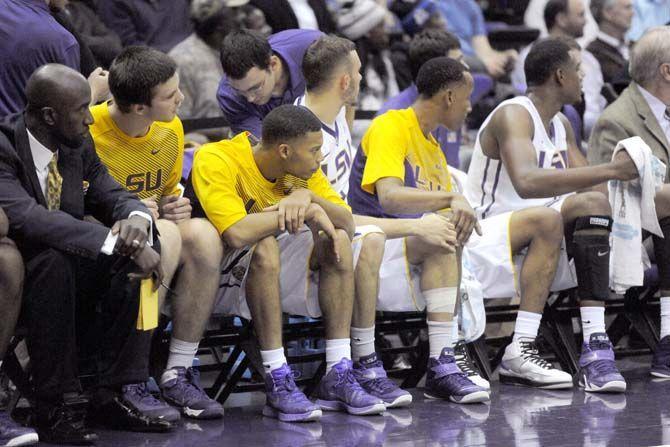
<point x="522" y="381"/>
<point x="616" y="386"/>
<point x="472" y="398"/>
<point x="193" y="413"/>
<point x="336" y="405"/>
<point x="27" y="439"/>
<point x="400" y="401"/>
<point x="309" y="416"/>
<point x="662" y="375"/>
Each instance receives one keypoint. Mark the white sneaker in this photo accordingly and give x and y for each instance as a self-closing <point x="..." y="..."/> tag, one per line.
<point x="522" y="365"/>
<point x="466" y="365"/>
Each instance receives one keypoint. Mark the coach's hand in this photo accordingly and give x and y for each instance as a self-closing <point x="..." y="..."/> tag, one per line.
<point x="319" y="222"/>
<point x="175" y="208"/>
<point x="132" y="235"/>
<point x="464" y="219"/>
<point x="438" y="231"/>
<point x="148" y="263"/>
<point x="292" y="210"/>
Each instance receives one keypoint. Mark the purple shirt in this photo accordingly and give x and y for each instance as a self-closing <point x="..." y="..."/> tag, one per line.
<point x="290" y="46"/>
<point x="161" y="24"/>
<point x="29" y="38"/>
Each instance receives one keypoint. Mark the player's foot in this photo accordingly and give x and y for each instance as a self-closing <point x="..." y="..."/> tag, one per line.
<point x="181" y="388"/>
<point x="465" y="363"/>
<point x="597" y="369"/>
<point x="285" y="401"/>
<point x="13" y="434"/>
<point x="370" y="374"/>
<point x="339" y="390"/>
<point x="522" y="365"/>
<point x="444" y="380"/>
<point x="660" y="363"/>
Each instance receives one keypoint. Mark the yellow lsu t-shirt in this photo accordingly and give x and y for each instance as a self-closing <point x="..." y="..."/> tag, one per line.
<point x="147" y="166"/>
<point x="394" y="142"/>
<point x="229" y="185"/>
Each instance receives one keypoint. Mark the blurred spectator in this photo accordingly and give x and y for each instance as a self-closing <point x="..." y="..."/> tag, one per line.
<point x="534" y="18"/>
<point x="566" y="19"/>
<point x="29" y="38"/>
<point x="87" y="62"/>
<point x="261" y="74"/>
<point x="198" y="63"/>
<point x="290" y="14"/>
<point x="247" y="16"/>
<point x="648" y="13"/>
<point x="104" y="43"/>
<point x="465" y="19"/>
<point x="364" y="22"/>
<point x="610" y="47"/>
<point x="161" y="24"/>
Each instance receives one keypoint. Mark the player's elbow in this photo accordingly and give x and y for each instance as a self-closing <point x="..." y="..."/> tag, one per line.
<point x="235" y="238"/>
<point x="525" y="189"/>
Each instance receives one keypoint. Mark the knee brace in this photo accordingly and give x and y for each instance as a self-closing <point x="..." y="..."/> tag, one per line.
<point x="591" y="253"/>
<point x="662" y="254"/>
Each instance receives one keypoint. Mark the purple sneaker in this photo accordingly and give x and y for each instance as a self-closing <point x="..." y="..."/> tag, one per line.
<point x="339" y="390"/>
<point x="181" y="388"/>
<point x="597" y="369"/>
<point x="660" y="363"/>
<point x="445" y="380"/>
<point x="370" y="374"/>
<point x="285" y="401"/>
<point x="137" y="395"/>
<point x="13" y="434"/>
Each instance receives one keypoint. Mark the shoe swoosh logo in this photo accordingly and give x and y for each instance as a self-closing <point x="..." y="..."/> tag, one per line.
<point x="155" y="151"/>
<point x="603" y="253"/>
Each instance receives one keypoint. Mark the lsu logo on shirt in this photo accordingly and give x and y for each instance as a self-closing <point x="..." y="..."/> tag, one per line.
<point x="144" y="182"/>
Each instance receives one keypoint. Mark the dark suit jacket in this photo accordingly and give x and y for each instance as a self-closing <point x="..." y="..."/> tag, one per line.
<point x="626" y="117"/>
<point x="612" y="63"/>
<point x="32" y="226"/>
<point x="280" y="15"/>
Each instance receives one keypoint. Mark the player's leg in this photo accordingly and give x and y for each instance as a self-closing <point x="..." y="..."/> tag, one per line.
<point x="368" y="368"/>
<point x="540" y="232"/>
<point x="587" y="221"/>
<point x="660" y="364"/>
<point x="195" y="288"/>
<point x="440" y="279"/>
<point x="339" y="388"/>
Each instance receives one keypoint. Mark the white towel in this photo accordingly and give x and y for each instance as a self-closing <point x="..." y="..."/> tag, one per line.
<point x="633" y="210"/>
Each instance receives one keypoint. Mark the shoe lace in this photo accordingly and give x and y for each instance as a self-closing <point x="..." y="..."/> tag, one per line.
<point x="530" y="353"/>
<point x="346" y="378"/>
<point x="463" y="359"/>
<point x="380" y="384"/>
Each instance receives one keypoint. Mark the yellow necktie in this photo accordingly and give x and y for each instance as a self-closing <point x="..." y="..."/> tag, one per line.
<point x="54" y="184"/>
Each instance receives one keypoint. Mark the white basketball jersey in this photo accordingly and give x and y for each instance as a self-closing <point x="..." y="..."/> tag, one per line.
<point x="489" y="188"/>
<point x="336" y="149"/>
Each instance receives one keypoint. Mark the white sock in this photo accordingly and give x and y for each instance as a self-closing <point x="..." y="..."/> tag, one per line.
<point x="336" y="350"/>
<point x="273" y="359"/>
<point x="665" y="316"/>
<point x="455" y="335"/>
<point x="527" y="325"/>
<point x="440" y="336"/>
<point x="362" y="342"/>
<point x="593" y="321"/>
<point x="182" y="353"/>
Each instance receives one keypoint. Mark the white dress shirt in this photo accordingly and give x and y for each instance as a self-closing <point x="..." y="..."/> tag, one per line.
<point x="304" y="13"/>
<point x="658" y="109"/>
<point x="42" y="157"/>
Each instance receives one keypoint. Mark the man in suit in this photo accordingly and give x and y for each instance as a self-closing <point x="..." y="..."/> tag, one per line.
<point x="642" y="110"/>
<point x="50" y="178"/>
<point x="610" y="47"/>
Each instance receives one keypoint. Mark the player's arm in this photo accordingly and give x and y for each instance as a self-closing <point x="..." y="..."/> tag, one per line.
<point x="434" y="229"/>
<point x="575" y="157"/>
<point x="339" y="215"/>
<point x="512" y="130"/>
<point x="396" y="198"/>
<point x="251" y="229"/>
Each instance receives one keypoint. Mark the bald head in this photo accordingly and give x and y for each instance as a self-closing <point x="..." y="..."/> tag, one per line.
<point x="649" y="58"/>
<point x="53" y="85"/>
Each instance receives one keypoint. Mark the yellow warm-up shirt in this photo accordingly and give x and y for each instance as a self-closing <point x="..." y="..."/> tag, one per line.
<point x="394" y="143"/>
<point x="229" y="185"/>
<point x="147" y="166"/>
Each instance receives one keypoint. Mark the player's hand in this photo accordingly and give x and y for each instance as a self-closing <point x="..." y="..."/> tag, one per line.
<point x="98" y="80"/>
<point x="175" y="208"/>
<point x="438" y="231"/>
<point x="292" y="210"/>
<point x="464" y="219"/>
<point x="624" y="167"/>
<point x="319" y="222"/>
<point x="152" y="205"/>
<point x="496" y="64"/>
<point x="132" y="235"/>
<point x="148" y="263"/>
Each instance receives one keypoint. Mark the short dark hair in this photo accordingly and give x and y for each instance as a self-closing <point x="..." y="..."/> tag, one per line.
<point x="552" y="9"/>
<point x="438" y="74"/>
<point x="545" y="56"/>
<point x="288" y="122"/>
<point x="204" y="25"/>
<point x="322" y="59"/>
<point x="429" y="44"/>
<point x="243" y="50"/>
<point x="136" y="72"/>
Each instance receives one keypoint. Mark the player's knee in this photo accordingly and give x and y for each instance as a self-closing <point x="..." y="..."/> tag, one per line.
<point x="170" y="238"/>
<point x="201" y="243"/>
<point x="592" y="203"/>
<point x="343" y="245"/>
<point x="11" y="267"/>
<point x="547" y="223"/>
<point x="265" y="258"/>
<point x="662" y="201"/>
<point x="372" y="253"/>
